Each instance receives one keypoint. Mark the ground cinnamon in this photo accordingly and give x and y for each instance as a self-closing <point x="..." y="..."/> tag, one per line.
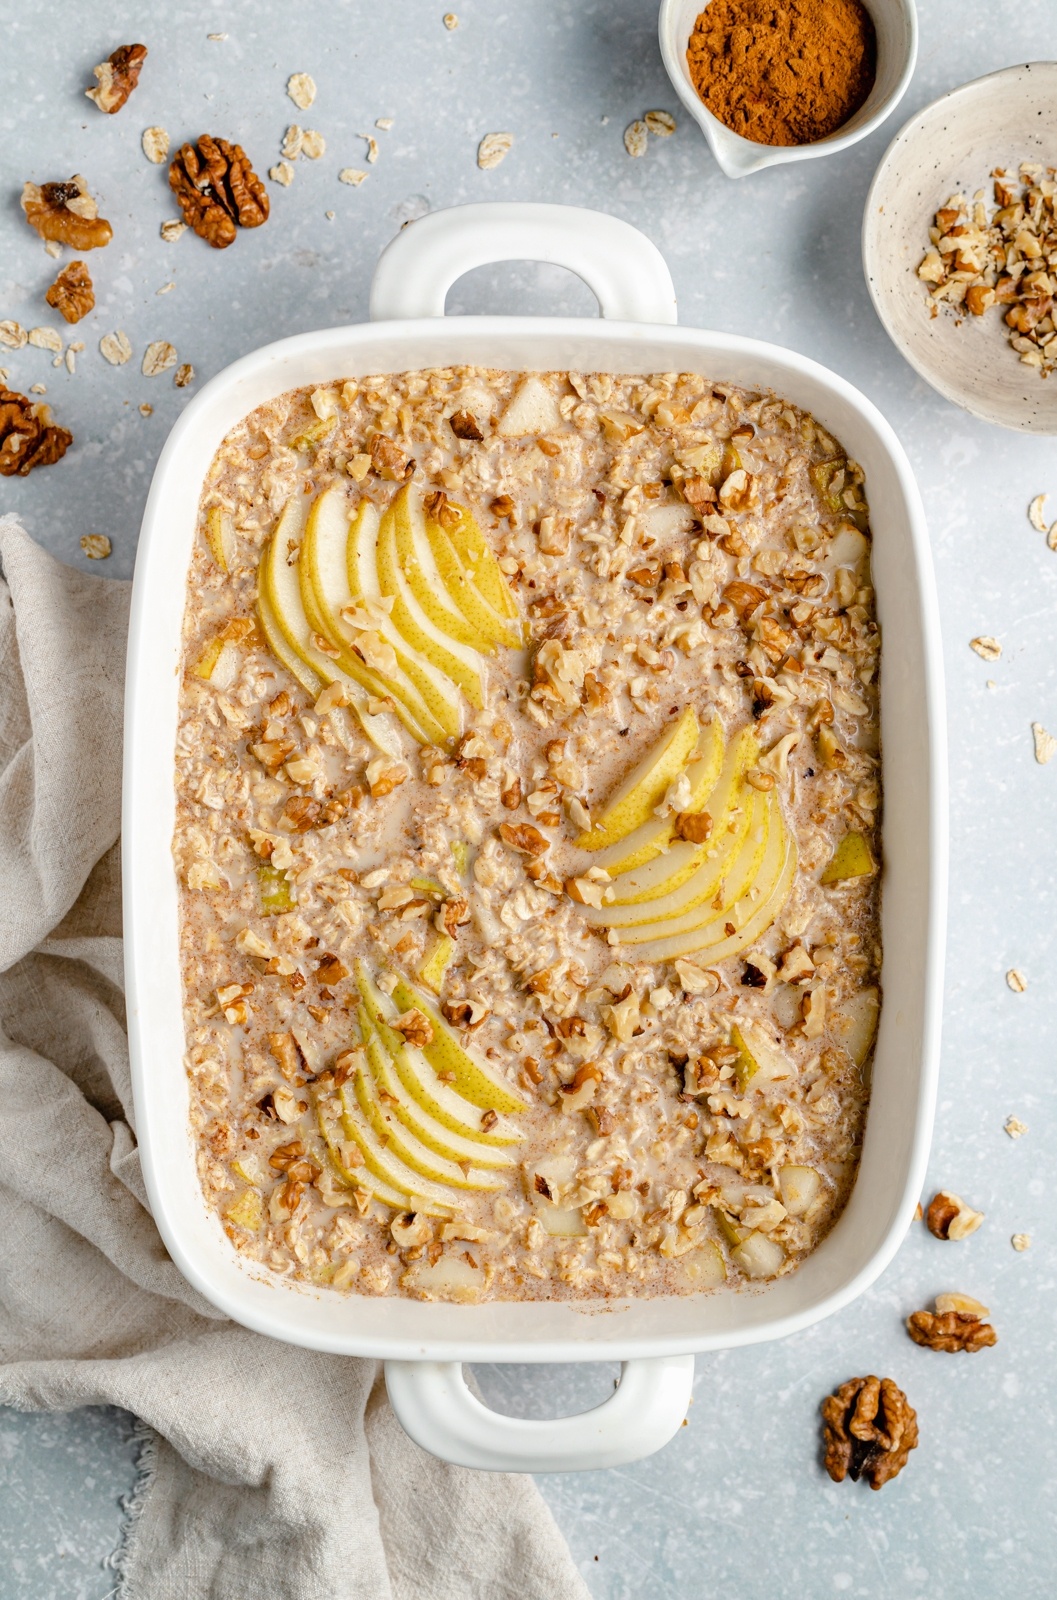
<point x="783" y="72"/>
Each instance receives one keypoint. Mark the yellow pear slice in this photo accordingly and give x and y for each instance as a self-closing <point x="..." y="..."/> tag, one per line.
<point x="478" y="558"/>
<point x="401" y="1143"/>
<point x="283" y="652"/>
<point x="426" y="1129"/>
<point x="645" y="785"/>
<point x="437" y="692"/>
<point x="471" y="1079"/>
<point x="361" y="1177"/>
<point x="485" y="622"/>
<point x="382" y="1162"/>
<point x="855" y="1023"/>
<point x="751" y="920"/>
<point x="655" y="836"/>
<point x="851" y="859"/>
<point x="751" y="861"/>
<point x="418" y="566"/>
<point x="439" y="1099"/>
<point x="456" y="661"/>
<point x="759" y="1058"/>
<point x="668" y="872"/>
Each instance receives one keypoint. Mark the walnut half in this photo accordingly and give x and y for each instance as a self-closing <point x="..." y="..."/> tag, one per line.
<point x="217" y="190"/>
<point x="72" y="294"/>
<point x="28" y="437"/>
<point x="870" y="1430"/>
<point x="956" y="1324"/>
<point x="66" y="213"/>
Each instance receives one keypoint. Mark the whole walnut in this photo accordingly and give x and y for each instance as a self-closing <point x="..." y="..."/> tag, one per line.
<point x="217" y="190"/>
<point x="66" y="213"/>
<point x="72" y="293"/>
<point x="870" y="1430"/>
<point x="28" y="437"/>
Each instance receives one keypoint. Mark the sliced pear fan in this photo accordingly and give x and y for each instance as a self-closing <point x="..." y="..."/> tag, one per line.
<point x="480" y="563"/>
<point x="645" y="786"/>
<point x="457" y="661"/>
<point x="486" y="622"/>
<point x="652" y="838"/>
<point x="367" y="1178"/>
<point x="472" y="1079"/>
<point x="402" y="1145"/>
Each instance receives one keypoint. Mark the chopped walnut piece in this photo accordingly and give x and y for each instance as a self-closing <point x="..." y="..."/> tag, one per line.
<point x="217" y="189"/>
<point x="65" y="213"/>
<point x="71" y="294"/>
<point x="952" y="1331"/>
<point x="870" y="1430"/>
<point x="388" y="460"/>
<point x="287" y="1052"/>
<point x="948" y="1217"/>
<point x="695" y="826"/>
<point x="383" y="777"/>
<point x="524" y="838"/>
<point x="464" y="425"/>
<point x="331" y="971"/>
<point x="28" y="437"/>
<point x="117" y="76"/>
<point x="415" y="1027"/>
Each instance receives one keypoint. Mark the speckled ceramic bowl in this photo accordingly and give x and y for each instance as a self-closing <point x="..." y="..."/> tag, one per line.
<point x="953" y="146"/>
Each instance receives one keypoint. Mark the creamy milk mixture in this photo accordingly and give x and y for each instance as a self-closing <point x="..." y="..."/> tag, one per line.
<point x="527" y="828"/>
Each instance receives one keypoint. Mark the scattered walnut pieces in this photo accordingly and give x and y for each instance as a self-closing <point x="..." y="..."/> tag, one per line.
<point x="870" y="1430"/>
<point x="28" y="436"/>
<point x="217" y="189"/>
<point x="493" y="148"/>
<point x="1045" y="744"/>
<point x="96" y="546"/>
<point x="117" y="76"/>
<point x="71" y="294"/>
<point x="65" y="213"/>
<point x="948" y="1216"/>
<point x="464" y="425"/>
<point x="979" y="259"/>
<point x="956" y="1324"/>
<point x="415" y="1027"/>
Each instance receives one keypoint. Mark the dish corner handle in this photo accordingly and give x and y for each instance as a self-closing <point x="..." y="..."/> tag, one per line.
<point x="436" y="1408"/>
<point x="623" y="269"/>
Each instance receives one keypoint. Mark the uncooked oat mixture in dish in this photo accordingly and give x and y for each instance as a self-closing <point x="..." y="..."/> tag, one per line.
<point x="527" y="802"/>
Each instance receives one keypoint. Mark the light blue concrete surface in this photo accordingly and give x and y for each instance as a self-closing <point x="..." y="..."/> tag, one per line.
<point x="737" y="1506"/>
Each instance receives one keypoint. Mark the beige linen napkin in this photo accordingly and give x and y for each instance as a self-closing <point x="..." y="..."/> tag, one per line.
<point x="268" y="1472"/>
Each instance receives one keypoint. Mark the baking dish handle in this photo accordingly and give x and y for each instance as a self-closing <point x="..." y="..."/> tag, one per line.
<point x="435" y="1406"/>
<point x="626" y="272"/>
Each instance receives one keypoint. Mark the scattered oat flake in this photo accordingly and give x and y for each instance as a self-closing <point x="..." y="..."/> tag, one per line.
<point x="660" y="123"/>
<point x="1035" y="513"/>
<point x="96" y="546"/>
<point x="184" y="375"/>
<point x="38" y="388"/>
<point x="636" y="138"/>
<point x="450" y="20"/>
<point x="283" y="173"/>
<point x="313" y="144"/>
<point x="4" y="376"/>
<point x="291" y="145"/>
<point x="217" y="38"/>
<point x="158" y="357"/>
<point x="1021" y="1241"/>
<point x="13" y="334"/>
<point x="165" y="288"/>
<point x="71" y="360"/>
<point x="172" y="229"/>
<point x="372" y="147"/>
<point x="46" y="339"/>
<point x="985" y="646"/>
<point x="351" y="175"/>
<point x="115" y="348"/>
<point x="155" y="142"/>
<point x="1045" y="744"/>
<point x="385" y="123"/>
<point x="53" y="248"/>
<point x="1016" y="980"/>
<point x="1015" y="1128"/>
<point x="302" y="90"/>
<point x="146" y="409"/>
<point x="330" y="215"/>
<point x="493" y="148"/>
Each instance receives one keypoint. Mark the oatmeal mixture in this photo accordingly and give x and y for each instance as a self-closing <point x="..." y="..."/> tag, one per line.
<point x="527" y="801"/>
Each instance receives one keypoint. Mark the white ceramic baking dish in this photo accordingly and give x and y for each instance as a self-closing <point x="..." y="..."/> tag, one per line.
<point x="424" y="1344"/>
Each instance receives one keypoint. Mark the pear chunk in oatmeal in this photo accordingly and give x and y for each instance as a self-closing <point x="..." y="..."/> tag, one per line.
<point x="527" y="831"/>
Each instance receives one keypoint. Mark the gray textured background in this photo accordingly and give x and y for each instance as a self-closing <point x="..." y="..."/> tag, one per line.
<point x="737" y="1506"/>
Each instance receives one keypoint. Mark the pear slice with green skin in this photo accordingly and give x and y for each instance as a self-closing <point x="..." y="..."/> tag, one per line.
<point x="426" y="1129"/>
<point x="401" y="1143"/>
<point x="457" y="661"/>
<point x="668" y="872"/>
<point x="437" y="691"/>
<point x="851" y="859"/>
<point x="742" y="876"/>
<point x="654" y="837"/>
<point x="363" y="1178"/>
<point x="645" y="786"/>
<point x="325" y="589"/>
<point x="486" y="622"/>
<point x="280" y="585"/>
<point x="440" y="1100"/>
<point x="382" y="1163"/>
<point x="472" y="1080"/>
<point x="480" y="563"/>
<point x="751" y="917"/>
<point x="417" y="564"/>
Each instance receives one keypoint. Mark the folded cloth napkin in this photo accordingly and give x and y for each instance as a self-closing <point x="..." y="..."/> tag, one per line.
<point x="268" y="1472"/>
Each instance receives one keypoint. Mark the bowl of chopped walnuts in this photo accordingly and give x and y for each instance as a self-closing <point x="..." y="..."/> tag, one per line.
<point x="960" y="246"/>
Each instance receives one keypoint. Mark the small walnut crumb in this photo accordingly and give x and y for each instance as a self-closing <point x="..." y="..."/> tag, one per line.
<point x="464" y="425"/>
<point x="158" y="357"/>
<point x="493" y="148"/>
<point x="155" y="142"/>
<point x="870" y="1430"/>
<point x="636" y="138"/>
<point x="388" y="460"/>
<point x="352" y="175"/>
<point x="985" y="646"/>
<point x="695" y="826"/>
<point x="302" y="90"/>
<point x="1016" y="980"/>
<point x="117" y="76"/>
<point x="415" y="1027"/>
<point x="96" y="546"/>
<point x="952" y="1331"/>
<point x="1021" y="1241"/>
<point x="146" y="410"/>
<point x="1015" y="1128"/>
<point x="72" y="294"/>
<point x="383" y="777"/>
<point x="1045" y="744"/>
<point x="184" y="375"/>
<point x="948" y="1216"/>
<point x="171" y="230"/>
